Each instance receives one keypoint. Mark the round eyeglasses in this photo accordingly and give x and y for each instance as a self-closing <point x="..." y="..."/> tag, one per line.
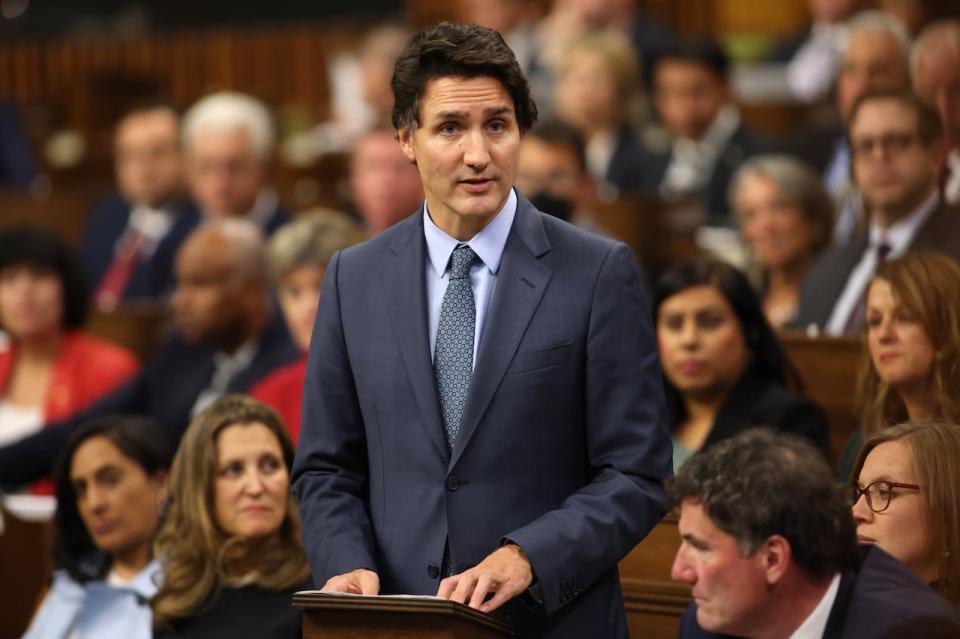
<point x="878" y="493"/>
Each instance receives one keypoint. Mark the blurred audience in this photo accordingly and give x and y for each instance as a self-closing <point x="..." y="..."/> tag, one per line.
<point x="230" y="544"/>
<point x="706" y="137"/>
<point x="133" y="235"/>
<point x="552" y="173"/>
<point x="298" y="255"/>
<point x="111" y="485"/>
<point x="896" y="146"/>
<point x="228" y="143"/>
<point x="597" y="92"/>
<point x="906" y="500"/>
<point x="912" y="14"/>
<point x="724" y="370"/>
<point x="385" y="186"/>
<point x="910" y="369"/>
<point x="225" y="340"/>
<point x="935" y="69"/>
<point x="46" y="360"/>
<point x="17" y="167"/>
<point x="815" y="58"/>
<point x="786" y="218"/>
<point x="769" y="548"/>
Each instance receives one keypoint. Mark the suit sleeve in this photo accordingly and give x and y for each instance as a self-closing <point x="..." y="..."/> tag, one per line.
<point x="33" y="457"/>
<point x="330" y="469"/>
<point x="627" y="444"/>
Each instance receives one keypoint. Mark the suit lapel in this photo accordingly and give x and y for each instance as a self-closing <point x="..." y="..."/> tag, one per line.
<point x="521" y="282"/>
<point x="404" y="288"/>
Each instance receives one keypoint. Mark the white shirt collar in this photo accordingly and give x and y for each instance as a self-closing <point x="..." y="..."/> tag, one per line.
<point x="900" y="234"/>
<point x="263" y="207"/>
<point x="816" y="622"/>
<point x="227" y="365"/>
<point x="488" y="244"/>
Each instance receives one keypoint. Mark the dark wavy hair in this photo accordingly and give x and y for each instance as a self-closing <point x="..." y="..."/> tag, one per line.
<point x="761" y="483"/>
<point x="462" y="50"/>
<point x="139" y="439"/>
<point x="768" y="359"/>
<point x="26" y="245"/>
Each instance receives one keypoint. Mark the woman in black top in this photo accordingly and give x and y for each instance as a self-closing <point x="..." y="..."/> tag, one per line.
<point x="724" y="369"/>
<point x="230" y="546"/>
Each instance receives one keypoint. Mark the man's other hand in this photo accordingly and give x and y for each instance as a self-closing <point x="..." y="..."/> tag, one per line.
<point x="358" y="582"/>
<point x="506" y="573"/>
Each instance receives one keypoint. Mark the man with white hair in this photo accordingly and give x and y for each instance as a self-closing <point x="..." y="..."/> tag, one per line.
<point x="228" y="142"/>
<point x="935" y="71"/>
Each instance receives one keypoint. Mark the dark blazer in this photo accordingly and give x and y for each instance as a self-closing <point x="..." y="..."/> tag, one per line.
<point x="563" y="445"/>
<point x="152" y="278"/>
<point x="756" y="401"/>
<point x="165" y="390"/>
<point x="826" y="279"/>
<point x="744" y="143"/>
<point x="880" y="600"/>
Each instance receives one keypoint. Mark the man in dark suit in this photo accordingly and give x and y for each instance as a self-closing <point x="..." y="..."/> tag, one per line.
<point x="530" y="474"/>
<point x="896" y="148"/>
<point x="769" y="547"/>
<point x="226" y="340"/>
<point x="133" y="235"/>
<point x="228" y="141"/>
<point x="704" y="139"/>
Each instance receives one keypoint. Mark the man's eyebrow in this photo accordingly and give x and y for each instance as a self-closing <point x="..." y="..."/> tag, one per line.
<point x="459" y="115"/>
<point x="696" y="542"/>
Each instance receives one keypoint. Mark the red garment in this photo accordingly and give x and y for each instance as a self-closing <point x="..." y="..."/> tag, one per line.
<point x="283" y="390"/>
<point x="85" y="370"/>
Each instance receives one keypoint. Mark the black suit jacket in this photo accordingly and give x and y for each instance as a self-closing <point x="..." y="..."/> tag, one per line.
<point x="151" y="278"/>
<point x="756" y="401"/>
<point x="825" y="281"/>
<point x="744" y="143"/>
<point x="880" y="600"/>
<point x="164" y="390"/>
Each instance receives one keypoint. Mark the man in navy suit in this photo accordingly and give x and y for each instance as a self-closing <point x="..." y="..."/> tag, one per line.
<point x="483" y="409"/>
<point x="226" y="340"/>
<point x="769" y="546"/>
<point x="144" y="216"/>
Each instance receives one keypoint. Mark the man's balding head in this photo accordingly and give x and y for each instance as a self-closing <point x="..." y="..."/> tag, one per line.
<point x="935" y="70"/>
<point x="874" y="58"/>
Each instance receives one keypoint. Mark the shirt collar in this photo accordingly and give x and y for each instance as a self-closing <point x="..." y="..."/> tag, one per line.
<point x="899" y="235"/>
<point x="487" y="244"/>
<point x="229" y="364"/>
<point x="816" y="622"/>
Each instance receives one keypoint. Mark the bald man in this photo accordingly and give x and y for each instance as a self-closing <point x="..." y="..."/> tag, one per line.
<point x="225" y="339"/>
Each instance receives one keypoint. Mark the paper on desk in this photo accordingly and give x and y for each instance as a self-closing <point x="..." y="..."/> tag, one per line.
<point x="350" y="594"/>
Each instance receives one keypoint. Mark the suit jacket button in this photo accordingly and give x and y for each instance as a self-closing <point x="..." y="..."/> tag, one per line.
<point x="452" y="483"/>
<point x="432" y="571"/>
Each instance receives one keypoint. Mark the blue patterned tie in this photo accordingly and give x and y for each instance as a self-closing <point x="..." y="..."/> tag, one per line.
<point x="453" y="358"/>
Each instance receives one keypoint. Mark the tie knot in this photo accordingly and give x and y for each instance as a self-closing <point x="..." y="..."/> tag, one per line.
<point x="461" y="260"/>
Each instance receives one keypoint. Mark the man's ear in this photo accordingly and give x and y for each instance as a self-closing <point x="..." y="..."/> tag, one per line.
<point x="776" y="555"/>
<point x="405" y="135"/>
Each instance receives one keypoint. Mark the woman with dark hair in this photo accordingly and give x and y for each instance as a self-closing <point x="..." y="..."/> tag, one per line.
<point x="46" y="362"/>
<point x="724" y="369"/>
<point x="110" y="486"/>
<point x="230" y="544"/>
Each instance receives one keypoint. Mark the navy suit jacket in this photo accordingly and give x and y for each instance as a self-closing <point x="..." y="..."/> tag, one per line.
<point x="880" y="600"/>
<point x="563" y="444"/>
<point x="152" y="278"/>
<point x="165" y="390"/>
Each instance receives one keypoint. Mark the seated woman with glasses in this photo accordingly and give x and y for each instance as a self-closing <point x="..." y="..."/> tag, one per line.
<point x="911" y="363"/>
<point x="230" y="545"/>
<point x="724" y="370"/>
<point x="906" y="500"/>
<point x="111" y="485"/>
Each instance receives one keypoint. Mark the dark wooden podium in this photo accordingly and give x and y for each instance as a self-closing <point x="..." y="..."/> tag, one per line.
<point x="328" y="616"/>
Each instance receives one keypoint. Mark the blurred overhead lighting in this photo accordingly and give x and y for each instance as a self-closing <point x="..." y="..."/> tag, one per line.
<point x="11" y="9"/>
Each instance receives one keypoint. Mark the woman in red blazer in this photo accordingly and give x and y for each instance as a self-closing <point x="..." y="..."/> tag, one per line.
<point x="49" y="368"/>
<point x="298" y="256"/>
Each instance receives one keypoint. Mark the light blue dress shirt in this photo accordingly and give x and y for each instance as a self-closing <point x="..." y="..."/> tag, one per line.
<point x="97" y="609"/>
<point x="488" y="245"/>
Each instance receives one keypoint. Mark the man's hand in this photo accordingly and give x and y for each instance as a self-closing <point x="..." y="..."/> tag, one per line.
<point x="506" y="572"/>
<point x="358" y="582"/>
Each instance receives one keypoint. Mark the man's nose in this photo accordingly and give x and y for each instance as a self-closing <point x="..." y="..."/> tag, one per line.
<point x="681" y="569"/>
<point x="476" y="153"/>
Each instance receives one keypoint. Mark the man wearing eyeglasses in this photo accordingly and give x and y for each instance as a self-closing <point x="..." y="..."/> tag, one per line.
<point x="769" y="548"/>
<point x="896" y="144"/>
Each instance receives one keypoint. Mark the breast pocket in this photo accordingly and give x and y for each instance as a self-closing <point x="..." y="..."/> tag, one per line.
<point x="527" y="361"/>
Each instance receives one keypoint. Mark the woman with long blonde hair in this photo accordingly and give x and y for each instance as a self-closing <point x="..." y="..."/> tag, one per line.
<point x="230" y="545"/>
